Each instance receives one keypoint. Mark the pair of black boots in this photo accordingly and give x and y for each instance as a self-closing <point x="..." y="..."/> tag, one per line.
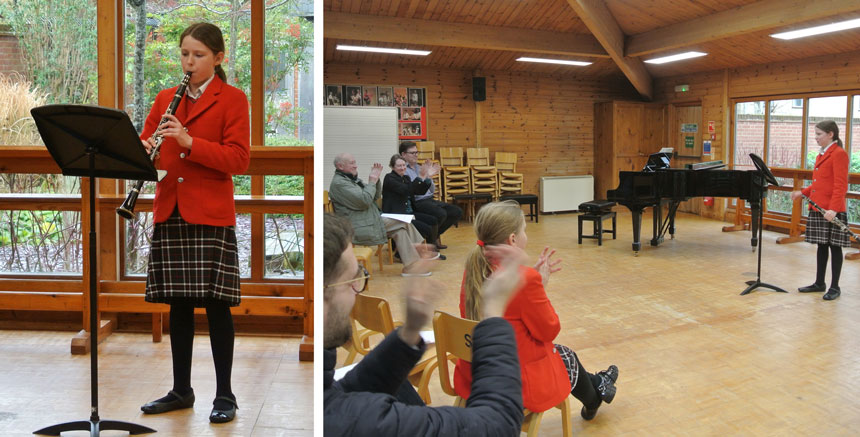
<point x="606" y="389"/>
<point x="831" y="294"/>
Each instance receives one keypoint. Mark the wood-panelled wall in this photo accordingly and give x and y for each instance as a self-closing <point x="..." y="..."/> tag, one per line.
<point x="547" y="121"/>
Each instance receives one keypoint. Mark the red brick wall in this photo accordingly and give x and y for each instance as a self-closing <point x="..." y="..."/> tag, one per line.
<point x="10" y="55"/>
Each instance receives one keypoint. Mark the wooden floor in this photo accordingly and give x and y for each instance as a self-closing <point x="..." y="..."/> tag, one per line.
<point x="42" y="384"/>
<point x="695" y="357"/>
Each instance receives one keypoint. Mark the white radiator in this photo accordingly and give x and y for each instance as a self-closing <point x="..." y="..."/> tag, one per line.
<point x="565" y="193"/>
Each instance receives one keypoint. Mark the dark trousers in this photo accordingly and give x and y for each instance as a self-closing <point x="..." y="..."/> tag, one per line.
<point x="427" y="226"/>
<point x="446" y="214"/>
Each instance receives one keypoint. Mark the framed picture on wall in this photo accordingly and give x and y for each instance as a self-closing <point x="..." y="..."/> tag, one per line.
<point x="410" y="130"/>
<point x="400" y="97"/>
<point x="333" y="95"/>
<point x="353" y="95"/>
<point x="385" y="96"/>
<point x="416" y="96"/>
<point x="368" y="96"/>
<point x="408" y="113"/>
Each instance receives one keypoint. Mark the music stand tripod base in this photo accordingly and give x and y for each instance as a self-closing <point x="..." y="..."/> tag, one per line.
<point x="756" y="284"/>
<point x="93" y="426"/>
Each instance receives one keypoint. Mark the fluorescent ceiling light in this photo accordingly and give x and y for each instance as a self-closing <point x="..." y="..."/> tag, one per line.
<point x="554" y="61"/>
<point x="384" y="50"/>
<point x="817" y="30"/>
<point x="674" y="58"/>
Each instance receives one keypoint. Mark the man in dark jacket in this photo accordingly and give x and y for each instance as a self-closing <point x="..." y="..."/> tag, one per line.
<point x="363" y="402"/>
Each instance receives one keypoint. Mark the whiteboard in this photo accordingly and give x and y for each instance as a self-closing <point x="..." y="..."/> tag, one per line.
<point x="368" y="133"/>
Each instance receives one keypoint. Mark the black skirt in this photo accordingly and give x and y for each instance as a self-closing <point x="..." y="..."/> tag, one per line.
<point x="196" y="263"/>
<point x="821" y="231"/>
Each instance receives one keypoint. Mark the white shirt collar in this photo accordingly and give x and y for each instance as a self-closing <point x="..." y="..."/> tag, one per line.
<point x="824" y="150"/>
<point x="200" y="90"/>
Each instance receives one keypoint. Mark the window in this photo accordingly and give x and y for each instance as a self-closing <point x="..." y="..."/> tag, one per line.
<point x="749" y="133"/>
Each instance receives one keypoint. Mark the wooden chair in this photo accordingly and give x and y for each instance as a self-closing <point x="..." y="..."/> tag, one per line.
<point x="482" y="175"/>
<point x="509" y="181"/>
<point x="426" y="150"/>
<point x="455" y="176"/>
<point x="374" y="315"/>
<point x="361" y="251"/>
<point x="450" y="333"/>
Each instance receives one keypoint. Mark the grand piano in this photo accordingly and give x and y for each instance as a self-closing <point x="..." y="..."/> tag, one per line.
<point x="658" y="184"/>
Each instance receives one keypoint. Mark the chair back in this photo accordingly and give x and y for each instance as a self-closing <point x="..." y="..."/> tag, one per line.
<point x="506" y="161"/>
<point x="373" y="313"/>
<point x="453" y="340"/>
<point x="426" y="150"/>
<point x="327" y="206"/>
<point x="451" y="156"/>
<point x="479" y="156"/>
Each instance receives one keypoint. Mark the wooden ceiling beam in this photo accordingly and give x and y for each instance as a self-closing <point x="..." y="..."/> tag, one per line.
<point x="766" y="14"/>
<point x="603" y="25"/>
<point x="341" y="25"/>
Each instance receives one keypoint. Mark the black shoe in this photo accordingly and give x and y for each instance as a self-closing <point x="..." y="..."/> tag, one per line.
<point x="831" y="294"/>
<point x="588" y="413"/>
<point x="442" y="257"/>
<point x="439" y="245"/>
<point x="607" y="384"/>
<point x="812" y="288"/>
<point x="177" y="403"/>
<point x="223" y="416"/>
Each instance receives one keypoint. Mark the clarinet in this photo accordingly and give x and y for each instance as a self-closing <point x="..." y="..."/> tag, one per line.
<point x="126" y="210"/>
<point x="835" y="220"/>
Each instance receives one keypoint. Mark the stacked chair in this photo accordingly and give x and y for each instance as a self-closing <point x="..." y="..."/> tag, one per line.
<point x="482" y="174"/>
<point x="455" y="176"/>
<point x="509" y="181"/>
<point x="427" y="150"/>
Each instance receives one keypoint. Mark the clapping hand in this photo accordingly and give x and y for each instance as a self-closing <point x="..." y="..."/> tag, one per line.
<point x="506" y="278"/>
<point x="545" y="265"/>
<point x="375" y="171"/>
<point x="421" y="295"/>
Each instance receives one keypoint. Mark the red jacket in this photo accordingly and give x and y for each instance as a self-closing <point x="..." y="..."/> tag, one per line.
<point x="545" y="380"/>
<point x="200" y="180"/>
<point x="829" y="180"/>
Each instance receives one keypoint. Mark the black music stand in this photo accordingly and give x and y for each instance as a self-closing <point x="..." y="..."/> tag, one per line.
<point x="93" y="141"/>
<point x="766" y="178"/>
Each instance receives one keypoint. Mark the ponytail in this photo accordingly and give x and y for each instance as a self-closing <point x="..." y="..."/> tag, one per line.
<point x="220" y="72"/>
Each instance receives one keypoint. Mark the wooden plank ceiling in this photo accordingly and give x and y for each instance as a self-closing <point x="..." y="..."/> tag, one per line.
<point x="616" y="35"/>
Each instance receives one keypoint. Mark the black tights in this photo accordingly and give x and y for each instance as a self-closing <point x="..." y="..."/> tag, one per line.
<point x="221" y="336"/>
<point x="585" y="389"/>
<point x="835" y="253"/>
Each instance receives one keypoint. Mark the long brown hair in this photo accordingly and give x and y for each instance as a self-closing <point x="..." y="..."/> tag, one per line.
<point x="210" y="35"/>
<point x="830" y="126"/>
<point x="494" y="223"/>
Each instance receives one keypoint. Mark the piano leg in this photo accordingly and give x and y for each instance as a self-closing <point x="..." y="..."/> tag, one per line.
<point x="755" y="212"/>
<point x="658" y="223"/>
<point x="673" y="208"/>
<point x="636" y="216"/>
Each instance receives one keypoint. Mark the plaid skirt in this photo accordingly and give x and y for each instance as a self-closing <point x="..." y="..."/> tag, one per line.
<point x="196" y="263"/>
<point x="570" y="360"/>
<point x="820" y="231"/>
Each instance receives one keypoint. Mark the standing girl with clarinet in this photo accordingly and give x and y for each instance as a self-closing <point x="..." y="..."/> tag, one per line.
<point x="194" y="261"/>
<point x="828" y="189"/>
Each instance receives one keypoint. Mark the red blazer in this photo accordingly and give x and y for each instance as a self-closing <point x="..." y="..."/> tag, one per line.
<point x="200" y="180"/>
<point x="829" y="180"/>
<point x="545" y="380"/>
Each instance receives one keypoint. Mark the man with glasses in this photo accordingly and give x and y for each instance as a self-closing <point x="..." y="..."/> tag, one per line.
<point x="364" y="402"/>
<point x="446" y="214"/>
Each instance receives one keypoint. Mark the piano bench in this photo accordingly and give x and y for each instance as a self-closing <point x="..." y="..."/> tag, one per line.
<point x="525" y="199"/>
<point x="597" y="221"/>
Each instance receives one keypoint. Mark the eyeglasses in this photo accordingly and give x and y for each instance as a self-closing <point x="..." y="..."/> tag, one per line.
<point x="411" y="153"/>
<point x="357" y="287"/>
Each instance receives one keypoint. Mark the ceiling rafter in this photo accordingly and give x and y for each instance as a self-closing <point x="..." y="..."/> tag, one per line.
<point x="605" y="28"/>
<point x="753" y="17"/>
<point x="425" y="32"/>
